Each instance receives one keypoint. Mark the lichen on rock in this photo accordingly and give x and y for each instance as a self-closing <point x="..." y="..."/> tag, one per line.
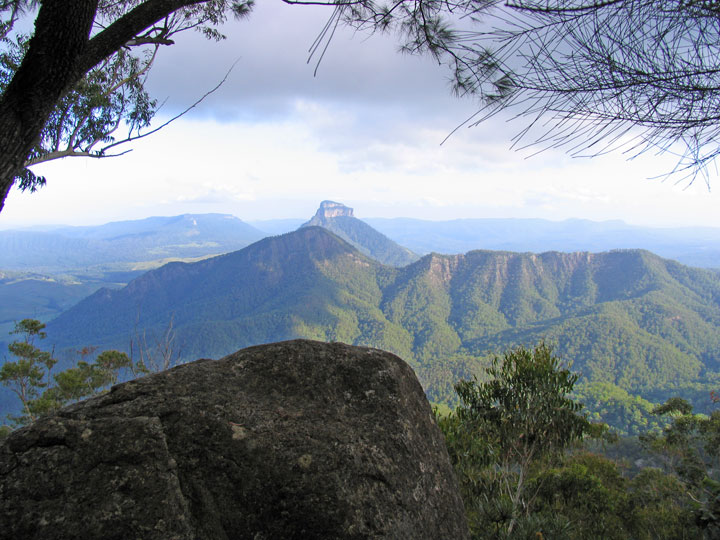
<point x="298" y="439"/>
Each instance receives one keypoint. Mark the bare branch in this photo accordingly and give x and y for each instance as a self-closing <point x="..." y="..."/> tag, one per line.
<point x="177" y="116"/>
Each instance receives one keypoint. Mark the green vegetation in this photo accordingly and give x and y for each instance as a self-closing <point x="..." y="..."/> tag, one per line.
<point x="518" y="443"/>
<point x="519" y="440"/>
<point x="615" y="406"/>
<point x="30" y="372"/>
<point x="638" y="329"/>
<point x="30" y="376"/>
<point x="690" y="449"/>
<point x="520" y="417"/>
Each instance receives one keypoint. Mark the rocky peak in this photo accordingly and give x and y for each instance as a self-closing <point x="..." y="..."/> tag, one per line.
<point x="331" y="209"/>
<point x="359" y="234"/>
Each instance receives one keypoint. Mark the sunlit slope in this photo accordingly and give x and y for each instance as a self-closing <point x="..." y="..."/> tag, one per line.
<point x="308" y="283"/>
<point x="629" y="318"/>
<point x="626" y="317"/>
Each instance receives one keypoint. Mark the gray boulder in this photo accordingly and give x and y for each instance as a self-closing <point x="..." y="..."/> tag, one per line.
<point x="299" y="439"/>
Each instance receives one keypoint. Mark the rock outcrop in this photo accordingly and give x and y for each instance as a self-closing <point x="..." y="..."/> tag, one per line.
<point x="329" y="210"/>
<point x="298" y="439"/>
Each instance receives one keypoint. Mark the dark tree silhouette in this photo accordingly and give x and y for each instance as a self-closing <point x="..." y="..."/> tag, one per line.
<point x="71" y="39"/>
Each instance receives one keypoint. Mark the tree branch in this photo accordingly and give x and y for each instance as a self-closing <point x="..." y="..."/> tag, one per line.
<point x="127" y="27"/>
<point x="99" y="154"/>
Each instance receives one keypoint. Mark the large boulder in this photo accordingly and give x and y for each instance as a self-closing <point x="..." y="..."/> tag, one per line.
<point x="299" y="439"/>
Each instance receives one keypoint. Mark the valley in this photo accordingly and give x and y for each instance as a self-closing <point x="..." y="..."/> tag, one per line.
<point x="637" y="328"/>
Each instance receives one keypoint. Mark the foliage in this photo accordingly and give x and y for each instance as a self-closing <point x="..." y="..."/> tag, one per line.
<point x="112" y="95"/>
<point x="98" y="85"/>
<point x="628" y="414"/>
<point x="30" y="372"/>
<point x="507" y="426"/>
<point x="587" y="72"/>
<point x="587" y="76"/>
<point x="588" y="494"/>
<point x="690" y="448"/>
<point x="40" y="391"/>
<point x="662" y="507"/>
<point x="516" y="440"/>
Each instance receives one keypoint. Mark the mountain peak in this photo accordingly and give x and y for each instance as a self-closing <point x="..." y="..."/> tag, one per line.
<point x="339" y="219"/>
<point x="332" y="209"/>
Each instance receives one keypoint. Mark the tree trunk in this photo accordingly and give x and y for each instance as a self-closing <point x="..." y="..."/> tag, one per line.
<point x="60" y="54"/>
<point x="62" y="31"/>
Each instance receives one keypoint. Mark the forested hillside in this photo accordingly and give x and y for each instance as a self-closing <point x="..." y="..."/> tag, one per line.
<point x="45" y="271"/>
<point x="637" y="327"/>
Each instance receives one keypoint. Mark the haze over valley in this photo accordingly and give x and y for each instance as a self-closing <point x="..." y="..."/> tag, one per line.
<point x="45" y="270"/>
<point x="637" y="326"/>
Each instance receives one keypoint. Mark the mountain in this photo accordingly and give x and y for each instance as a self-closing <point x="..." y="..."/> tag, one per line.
<point x="26" y="295"/>
<point x="627" y="319"/>
<point x="338" y="218"/>
<point x="45" y="271"/>
<point x="695" y="246"/>
<point x="301" y="283"/>
<point x="123" y="245"/>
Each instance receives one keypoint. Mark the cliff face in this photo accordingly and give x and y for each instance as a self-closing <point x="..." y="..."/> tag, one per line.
<point x="299" y="439"/>
<point x="329" y="210"/>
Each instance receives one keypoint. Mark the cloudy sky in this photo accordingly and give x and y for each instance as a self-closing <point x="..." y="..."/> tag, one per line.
<point x="366" y="131"/>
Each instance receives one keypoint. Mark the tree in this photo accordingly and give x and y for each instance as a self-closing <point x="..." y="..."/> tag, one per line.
<point x="31" y="371"/>
<point x="30" y="379"/>
<point x="159" y="353"/>
<point x="87" y="379"/>
<point x="520" y="417"/>
<point x="588" y="495"/>
<point x="590" y="76"/>
<point x="690" y="448"/>
<point x="662" y="508"/>
<point x="71" y="85"/>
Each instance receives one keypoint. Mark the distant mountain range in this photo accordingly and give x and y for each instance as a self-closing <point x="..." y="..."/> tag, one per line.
<point x="694" y="246"/>
<point x="628" y="319"/>
<point x="44" y="271"/>
<point x="637" y="326"/>
<point x="123" y="245"/>
<point x="127" y="247"/>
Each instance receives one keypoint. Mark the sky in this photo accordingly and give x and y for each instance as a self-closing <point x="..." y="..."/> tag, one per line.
<point x="367" y="130"/>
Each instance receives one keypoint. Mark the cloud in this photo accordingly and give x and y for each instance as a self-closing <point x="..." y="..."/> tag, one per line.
<point x="272" y="50"/>
<point x="367" y="131"/>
